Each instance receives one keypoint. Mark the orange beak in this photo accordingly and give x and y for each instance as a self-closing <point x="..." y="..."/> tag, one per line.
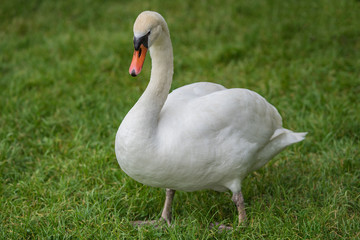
<point x="137" y="61"/>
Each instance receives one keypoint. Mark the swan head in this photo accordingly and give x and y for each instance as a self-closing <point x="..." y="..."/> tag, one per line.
<point x="149" y="29"/>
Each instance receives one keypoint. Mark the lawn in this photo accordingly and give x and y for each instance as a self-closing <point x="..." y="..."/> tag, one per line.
<point x="65" y="87"/>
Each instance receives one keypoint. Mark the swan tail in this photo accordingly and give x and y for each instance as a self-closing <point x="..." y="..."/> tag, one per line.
<point x="279" y="141"/>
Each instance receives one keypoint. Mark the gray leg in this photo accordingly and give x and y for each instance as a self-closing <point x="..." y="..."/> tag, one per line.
<point x="238" y="199"/>
<point x="166" y="213"/>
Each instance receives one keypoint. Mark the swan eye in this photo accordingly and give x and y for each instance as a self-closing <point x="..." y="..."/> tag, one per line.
<point x="141" y="40"/>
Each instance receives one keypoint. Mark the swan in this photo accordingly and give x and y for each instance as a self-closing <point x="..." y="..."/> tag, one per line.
<point x="200" y="136"/>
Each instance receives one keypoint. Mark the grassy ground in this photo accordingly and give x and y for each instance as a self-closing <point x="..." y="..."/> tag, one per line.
<point x="64" y="89"/>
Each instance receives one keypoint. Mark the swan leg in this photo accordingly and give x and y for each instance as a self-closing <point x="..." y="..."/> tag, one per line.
<point x="166" y="213"/>
<point x="238" y="199"/>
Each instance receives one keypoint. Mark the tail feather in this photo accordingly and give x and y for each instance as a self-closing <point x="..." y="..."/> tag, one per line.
<point x="287" y="137"/>
<point x="279" y="140"/>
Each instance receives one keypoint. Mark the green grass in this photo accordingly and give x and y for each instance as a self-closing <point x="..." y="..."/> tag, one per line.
<point x="65" y="88"/>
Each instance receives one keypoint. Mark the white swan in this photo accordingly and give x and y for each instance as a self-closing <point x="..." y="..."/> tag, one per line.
<point x="201" y="136"/>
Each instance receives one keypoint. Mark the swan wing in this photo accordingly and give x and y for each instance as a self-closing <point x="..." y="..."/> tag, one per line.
<point x="216" y="110"/>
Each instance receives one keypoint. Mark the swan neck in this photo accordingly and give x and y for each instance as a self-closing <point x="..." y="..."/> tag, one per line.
<point x="161" y="73"/>
<point x="152" y="100"/>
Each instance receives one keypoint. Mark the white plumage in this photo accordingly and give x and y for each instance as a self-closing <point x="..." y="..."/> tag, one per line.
<point x="202" y="135"/>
